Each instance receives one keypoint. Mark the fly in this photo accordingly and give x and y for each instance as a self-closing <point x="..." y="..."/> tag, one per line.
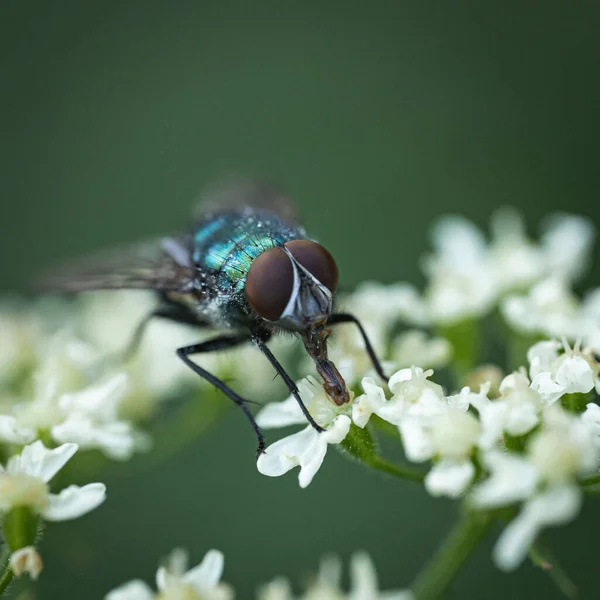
<point x="248" y="267"/>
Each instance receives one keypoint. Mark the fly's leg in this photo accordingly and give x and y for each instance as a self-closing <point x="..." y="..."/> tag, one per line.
<point x="221" y="343"/>
<point x="172" y="312"/>
<point x="260" y="341"/>
<point x="348" y="318"/>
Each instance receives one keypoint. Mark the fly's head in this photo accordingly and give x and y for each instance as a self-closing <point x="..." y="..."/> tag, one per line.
<point x="292" y="286"/>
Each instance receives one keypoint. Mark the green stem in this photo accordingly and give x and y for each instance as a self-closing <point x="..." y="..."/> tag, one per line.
<point x="387" y="466"/>
<point x="592" y="480"/>
<point x="435" y="578"/>
<point x="6" y="578"/>
<point x="541" y="557"/>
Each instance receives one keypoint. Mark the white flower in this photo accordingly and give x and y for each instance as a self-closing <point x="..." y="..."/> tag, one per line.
<point x="434" y="427"/>
<point x="92" y="419"/>
<point x="415" y="348"/>
<point x="591" y="419"/>
<point x="24" y="482"/>
<point x="550" y="308"/>
<point x="556" y="505"/>
<point x="412" y="393"/>
<point x="305" y="449"/>
<point x="13" y="433"/>
<point x="20" y="332"/>
<point x="278" y="589"/>
<point x="514" y="260"/>
<point x="26" y="560"/>
<point x="512" y="478"/>
<point x="554" y="374"/>
<point x="561" y="452"/>
<point x="516" y="412"/>
<point x="175" y="583"/>
<point x="371" y="402"/>
<point x="89" y="417"/>
<point x="327" y="584"/>
<point x="364" y="584"/>
<point x="567" y="243"/>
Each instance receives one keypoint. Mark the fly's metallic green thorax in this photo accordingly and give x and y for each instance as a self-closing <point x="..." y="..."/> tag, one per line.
<point x="226" y="244"/>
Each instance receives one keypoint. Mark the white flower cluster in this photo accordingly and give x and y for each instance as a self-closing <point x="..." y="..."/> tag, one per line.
<point x="203" y="582"/>
<point x="467" y="276"/>
<point x="175" y="582"/>
<point x="461" y="433"/>
<point x="24" y="484"/>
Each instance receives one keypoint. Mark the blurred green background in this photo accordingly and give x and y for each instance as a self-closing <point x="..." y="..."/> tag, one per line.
<point x="377" y="118"/>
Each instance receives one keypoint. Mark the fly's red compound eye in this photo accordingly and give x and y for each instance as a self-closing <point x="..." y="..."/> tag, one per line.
<point x="316" y="260"/>
<point x="269" y="283"/>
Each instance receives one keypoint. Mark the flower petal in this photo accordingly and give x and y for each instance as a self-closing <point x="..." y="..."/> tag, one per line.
<point x="450" y="478"/>
<point x="38" y="461"/>
<point x="370" y="402"/>
<point x="100" y="400"/>
<point x="133" y="590"/>
<point x="116" y="439"/>
<point x="555" y="506"/>
<point x="12" y="433"/>
<point x="363" y="577"/>
<point x="547" y="388"/>
<point x="74" y="501"/>
<point x="305" y="449"/>
<point x="208" y="573"/>
<point x="417" y="443"/>
<point x="575" y="375"/>
<point x="513" y="478"/>
<point x="280" y="414"/>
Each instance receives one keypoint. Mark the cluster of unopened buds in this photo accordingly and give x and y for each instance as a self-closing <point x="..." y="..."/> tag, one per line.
<point x="515" y="437"/>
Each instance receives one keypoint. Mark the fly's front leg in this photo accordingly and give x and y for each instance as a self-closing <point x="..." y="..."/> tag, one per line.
<point x="221" y="343"/>
<point x="261" y="343"/>
<point x="348" y="318"/>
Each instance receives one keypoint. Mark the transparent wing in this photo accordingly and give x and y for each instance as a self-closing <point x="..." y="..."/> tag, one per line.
<point x="163" y="265"/>
<point x="239" y="194"/>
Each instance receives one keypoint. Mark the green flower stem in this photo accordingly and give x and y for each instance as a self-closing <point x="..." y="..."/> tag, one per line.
<point x="7" y="574"/>
<point x="541" y="557"/>
<point x="464" y="337"/>
<point x="387" y="466"/>
<point x="6" y="578"/>
<point x="437" y="576"/>
<point x="360" y="444"/>
<point x="591" y="480"/>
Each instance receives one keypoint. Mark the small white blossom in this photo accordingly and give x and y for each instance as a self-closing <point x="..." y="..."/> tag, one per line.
<point x="13" y="433"/>
<point x="20" y="332"/>
<point x="415" y="348"/>
<point x="24" y="482"/>
<point x="305" y="449"/>
<point x="364" y="584"/>
<point x="550" y="308"/>
<point x="516" y="412"/>
<point x="561" y="452"/>
<point x="89" y="417"/>
<point x="591" y="419"/>
<point x="26" y="560"/>
<point x="554" y="374"/>
<point x="567" y="242"/>
<point x="175" y="582"/>
<point x="556" y="505"/>
<point x="327" y="583"/>
<point x="512" y="478"/>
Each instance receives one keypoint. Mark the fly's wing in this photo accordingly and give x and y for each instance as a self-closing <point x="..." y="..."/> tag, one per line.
<point x="164" y="265"/>
<point x="246" y="194"/>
